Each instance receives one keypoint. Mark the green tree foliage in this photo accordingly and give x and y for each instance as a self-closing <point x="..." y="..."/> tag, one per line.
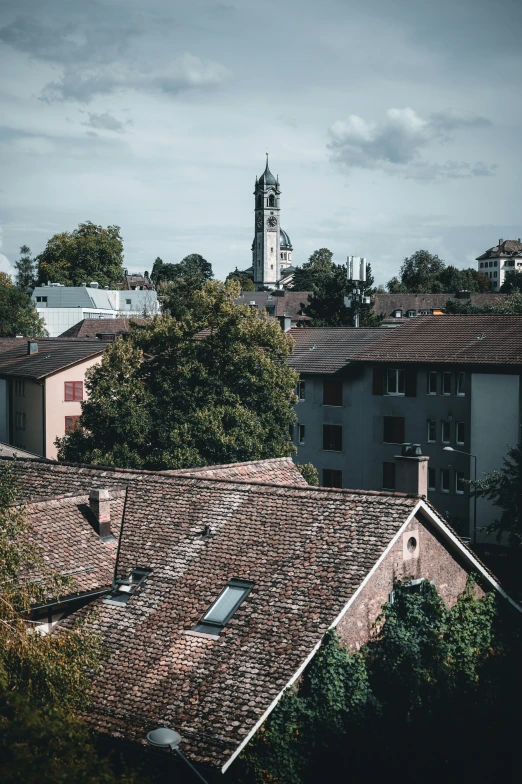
<point x="193" y="267"/>
<point x="428" y="687"/>
<point x="25" y="268"/>
<point x="309" y="472"/>
<point x="18" y="315"/>
<point x="511" y="305"/>
<point x="309" y="276"/>
<point x="504" y="488"/>
<point x="426" y="273"/>
<point x="89" y="253"/>
<point x="223" y="396"/>
<point x="512" y="282"/>
<point x="245" y="281"/>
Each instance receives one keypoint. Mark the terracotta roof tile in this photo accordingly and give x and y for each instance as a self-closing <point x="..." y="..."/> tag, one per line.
<point x="328" y="349"/>
<point x="279" y="470"/>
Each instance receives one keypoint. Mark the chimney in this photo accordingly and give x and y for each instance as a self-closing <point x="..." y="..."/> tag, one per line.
<point x="32" y="347"/>
<point x="411" y="471"/>
<point x="500" y="241"/>
<point x="100" y="505"/>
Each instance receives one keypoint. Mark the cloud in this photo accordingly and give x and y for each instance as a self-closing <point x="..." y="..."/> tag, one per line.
<point x="395" y="145"/>
<point x="5" y="264"/>
<point x="105" y="122"/>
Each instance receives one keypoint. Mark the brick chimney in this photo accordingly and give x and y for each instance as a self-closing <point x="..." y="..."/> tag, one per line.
<point x="411" y="471"/>
<point x="100" y="505"/>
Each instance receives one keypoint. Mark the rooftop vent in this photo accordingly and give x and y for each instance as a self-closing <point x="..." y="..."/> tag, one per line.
<point x="94" y="284"/>
<point x="252" y="302"/>
<point x="464" y="294"/>
<point x="32" y="347"/>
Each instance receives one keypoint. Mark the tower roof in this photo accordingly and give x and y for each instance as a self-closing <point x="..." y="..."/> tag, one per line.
<point x="267" y="178"/>
<point x="284" y="240"/>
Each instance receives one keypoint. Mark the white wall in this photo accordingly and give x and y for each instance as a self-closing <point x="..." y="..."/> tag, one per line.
<point x="58" y="320"/>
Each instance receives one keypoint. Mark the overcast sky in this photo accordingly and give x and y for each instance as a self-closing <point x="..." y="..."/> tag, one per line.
<point x="393" y="126"/>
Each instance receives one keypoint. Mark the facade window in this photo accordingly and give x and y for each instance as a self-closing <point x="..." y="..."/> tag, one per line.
<point x="459" y="433"/>
<point x="393" y="430"/>
<point x="73" y="390"/>
<point x="70" y="423"/>
<point x="301" y="434"/>
<point x="432" y="382"/>
<point x="481" y="264"/>
<point x="271" y="202"/>
<point x="461" y="377"/>
<point x="410" y="313"/>
<point x="333" y="438"/>
<point x="332" y="392"/>
<point x="128" y="301"/>
<point x="446" y="432"/>
<point x="41" y="299"/>
<point x="395" y="381"/>
<point x="459" y="482"/>
<point x="301" y="390"/>
<point x="397" y="314"/>
<point x="20" y="420"/>
<point x="432" y="479"/>
<point x="388" y="476"/>
<point x="446" y="383"/>
<point x="444" y="480"/>
<point x="20" y="387"/>
<point x="432" y="430"/>
<point x="495" y="274"/>
<point x="332" y="478"/>
<point x="220" y="612"/>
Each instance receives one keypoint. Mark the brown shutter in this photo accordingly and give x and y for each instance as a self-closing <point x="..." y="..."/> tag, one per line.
<point x="78" y="390"/>
<point x="378" y="381"/>
<point x="69" y="390"/>
<point x="410" y="382"/>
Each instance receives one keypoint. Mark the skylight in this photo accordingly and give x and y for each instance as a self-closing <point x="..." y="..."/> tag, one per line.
<point x="220" y="612"/>
<point x="123" y="589"/>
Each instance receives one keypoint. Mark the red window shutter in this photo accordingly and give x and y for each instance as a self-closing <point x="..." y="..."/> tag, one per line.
<point x="410" y="386"/>
<point x="78" y="390"/>
<point x="69" y="390"/>
<point x="378" y="381"/>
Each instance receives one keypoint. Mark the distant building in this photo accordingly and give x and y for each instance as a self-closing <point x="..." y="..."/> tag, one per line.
<point x="101" y="329"/>
<point x="499" y="259"/>
<point x="62" y="307"/>
<point x="285" y="306"/>
<point x="135" y="280"/>
<point x="398" y="308"/>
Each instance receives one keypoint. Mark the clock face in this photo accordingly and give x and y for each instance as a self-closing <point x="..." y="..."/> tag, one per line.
<point x="272" y="221"/>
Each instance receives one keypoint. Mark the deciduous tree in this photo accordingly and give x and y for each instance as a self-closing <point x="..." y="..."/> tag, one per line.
<point x="18" y="315"/>
<point x="504" y="488"/>
<point x="25" y="268"/>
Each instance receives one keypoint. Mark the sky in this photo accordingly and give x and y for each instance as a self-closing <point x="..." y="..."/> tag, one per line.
<point x="394" y="125"/>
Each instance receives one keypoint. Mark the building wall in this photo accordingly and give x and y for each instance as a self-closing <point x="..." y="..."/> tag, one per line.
<point x="430" y="560"/>
<point x="58" y="320"/>
<point x="30" y="404"/>
<point x="57" y="408"/>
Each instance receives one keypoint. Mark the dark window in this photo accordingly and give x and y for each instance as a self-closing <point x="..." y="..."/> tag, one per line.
<point x="291" y="432"/>
<point x="393" y="430"/>
<point x="332" y="478"/>
<point x="388" y="476"/>
<point x="333" y="438"/>
<point x="459" y="482"/>
<point x="459" y="435"/>
<point x="446" y="383"/>
<point x="446" y="432"/>
<point x="395" y="381"/>
<point x="432" y="479"/>
<point x="444" y="480"/>
<point x="125" y="587"/>
<point x="20" y="387"/>
<point x="378" y="381"/>
<point x="460" y="383"/>
<point x="73" y="390"/>
<point x="70" y="423"/>
<point x="301" y="434"/>
<point x="432" y="382"/>
<point x="301" y="390"/>
<point x="432" y="430"/>
<point x="220" y="612"/>
<point x="332" y="392"/>
<point x="271" y="201"/>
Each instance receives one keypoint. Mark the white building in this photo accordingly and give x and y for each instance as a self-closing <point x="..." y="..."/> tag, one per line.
<point x="62" y="307"/>
<point x="502" y="258"/>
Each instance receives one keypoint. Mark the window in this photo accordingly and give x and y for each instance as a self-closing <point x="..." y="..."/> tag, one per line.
<point x="495" y="274"/>
<point x="126" y="587"/>
<point x="446" y="432"/>
<point x="444" y="480"/>
<point x="332" y="392"/>
<point x="73" y="390"/>
<point x="128" y="301"/>
<point x="415" y="586"/>
<point x="332" y="478"/>
<point x="393" y="430"/>
<point x="41" y="299"/>
<point x="459" y="482"/>
<point x="397" y="314"/>
<point x="220" y="612"/>
<point x="333" y="438"/>
<point x="20" y="387"/>
<point x="481" y="265"/>
<point x="459" y="433"/>
<point x="432" y="479"/>
<point x="271" y="201"/>
<point x="301" y="390"/>
<point x="432" y="430"/>
<point x="388" y="476"/>
<point x="432" y="382"/>
<point x="410" y="313"/>
<point x="460" y="383"/>
<point x="395" y="381"/>
<point x="70" y="423"/>
<point x="19" y="420"/>
<point x="301" y="434"/>
<point x="446" y="383"/>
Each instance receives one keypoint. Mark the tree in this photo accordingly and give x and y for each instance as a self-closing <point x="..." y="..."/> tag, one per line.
<point x="25" y="268"/>
<point x="18" y="315"/>
<point x="504" y="488"/>
<point x="425" y="273"/>
<point x="309" y="276"/>
<point x="512" y="282"/>
<point x="173" y="396"/>
<point x="193" y="268"/>
<point x="511" y="305"/>
<point x="309" y="472"/>
<point x="89" y="253"/>
<point x="245" y="281"/>
<point x="326" y="306"/>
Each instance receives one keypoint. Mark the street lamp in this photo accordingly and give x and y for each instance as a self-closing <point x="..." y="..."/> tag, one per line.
<point x="460" y="452"/>
<point x="165" y="738"/>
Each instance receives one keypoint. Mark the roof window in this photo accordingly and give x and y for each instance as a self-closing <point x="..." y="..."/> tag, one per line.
<point x="123" y="589"/>
<point x="220" y="612"/>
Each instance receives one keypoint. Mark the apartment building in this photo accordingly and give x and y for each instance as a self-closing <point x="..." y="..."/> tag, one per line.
<point x="42" y="386"/>
<point x="501" y="258"/>
<point x="445" y="383"/>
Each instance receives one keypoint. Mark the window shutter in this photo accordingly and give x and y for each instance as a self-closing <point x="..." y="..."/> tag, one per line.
<point x="78" y="390"/>
<point x="378" y="381"/>
<point x="410" y="387"/>
<point x="69" y="390"/>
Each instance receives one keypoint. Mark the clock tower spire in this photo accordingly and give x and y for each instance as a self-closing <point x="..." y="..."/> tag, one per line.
<point x="266" y="254"/>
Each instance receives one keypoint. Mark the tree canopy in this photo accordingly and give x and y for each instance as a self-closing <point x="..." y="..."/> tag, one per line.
<point x="245" y="281"/>
<point x="89" y="253"/>
<point x="25" y="268"/>
<point x="512" y="282"/>
<point x="172" y="396"/>
<point x="18" y="315"/>
<point x="193" y="268"/>
<point x="511" y="305"/>
<point x="504" y="488"/>
<point x="426" y="273"/>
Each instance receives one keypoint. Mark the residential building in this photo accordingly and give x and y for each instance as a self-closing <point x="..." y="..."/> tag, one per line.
<point x="450" y="381"/>
<point x="101" y="329"/>
<point x="42" y="386"/>
<point x="501" y="258"/>
<point x="286" y="306"/>
<point x="62" y="307"/>
<point x="398" y="308"/>
<point x="137" y="280"/>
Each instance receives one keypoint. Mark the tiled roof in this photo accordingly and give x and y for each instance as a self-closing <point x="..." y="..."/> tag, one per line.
<point x="328" y="349"/>
<point x="289" y="304"/>
<point x="7" y="450"/>
<point x="469" y="339"/>
<point x="388" y="303"/>
<point x="306" y="551"/>
<point x="66" y="530"/>
<point x="89" y="328"/>
<point x="504" y="248"/>
<point x="279" y="470"/>
<point x="52" y="356"/>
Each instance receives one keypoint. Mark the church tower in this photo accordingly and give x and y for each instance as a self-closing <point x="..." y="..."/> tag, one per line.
<point x="266" y="252"/>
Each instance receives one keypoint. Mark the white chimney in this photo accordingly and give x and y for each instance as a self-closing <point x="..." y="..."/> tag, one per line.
<point x="411" y="471"/>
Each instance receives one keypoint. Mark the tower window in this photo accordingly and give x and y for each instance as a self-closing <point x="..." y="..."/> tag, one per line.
<point x="271" y="201"/>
